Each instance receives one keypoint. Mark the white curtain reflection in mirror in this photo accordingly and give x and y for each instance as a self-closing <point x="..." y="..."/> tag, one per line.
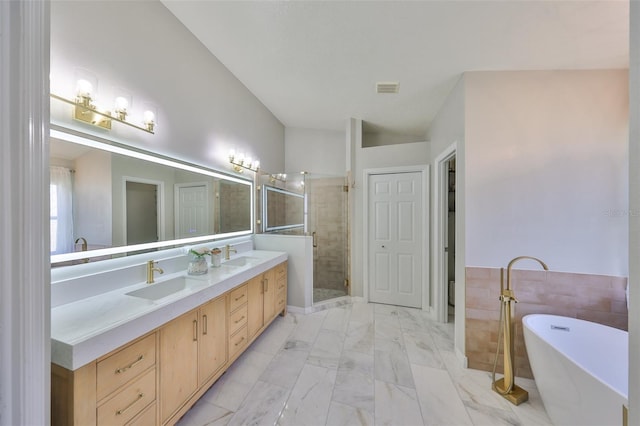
<point x="61" y="212"/>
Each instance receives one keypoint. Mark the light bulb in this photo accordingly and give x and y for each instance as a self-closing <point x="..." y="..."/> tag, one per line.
<point x="149" y="117"/>
<point x="84" y="88"/>
<point x="248" y="161"/>
<point x="232" y="154"/>
<point x="256" y="165"/>
<point x="121" y="104"/>
<point x="149" y="120"/>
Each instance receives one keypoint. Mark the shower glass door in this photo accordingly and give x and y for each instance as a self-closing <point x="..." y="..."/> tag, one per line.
<point x="327" y="213"/>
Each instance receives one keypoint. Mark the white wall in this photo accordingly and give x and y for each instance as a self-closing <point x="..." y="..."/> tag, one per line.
<point x="202" y="109"/>
<point x="299" y="265"/>
<point x="314" y="151"/>
<point x="634" y="216"/>
<point x="93" y="199"/>
<point x="133" y="168"/>
<point x="410" y="154"/>
<point x="546" y="169"/>
<point x="447" y="128"/>
<point x="378" y="138"/>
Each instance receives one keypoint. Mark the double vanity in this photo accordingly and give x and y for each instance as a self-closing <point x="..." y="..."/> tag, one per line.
<point x="145" y="353"/>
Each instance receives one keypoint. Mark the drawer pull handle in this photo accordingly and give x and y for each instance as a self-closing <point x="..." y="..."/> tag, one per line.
<point x="240" y="319"/>
<point x="122" y="411"/>
<point x="204" y="326"/>
<point x="123" y="369"/>
<point x="240" y="341"/>
<point x="265" y="285"/>
<point x="195" y="330"/>
<point x="239" y="297"/>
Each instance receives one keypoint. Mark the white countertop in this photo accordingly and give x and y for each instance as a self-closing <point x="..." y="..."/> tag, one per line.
<point x="87" y="329"/>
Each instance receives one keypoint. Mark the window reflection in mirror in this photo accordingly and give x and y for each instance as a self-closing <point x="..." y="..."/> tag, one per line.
<point x="107" y="201"/>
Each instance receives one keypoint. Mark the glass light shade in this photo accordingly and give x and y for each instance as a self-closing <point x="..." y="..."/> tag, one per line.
<point x="149" y="117"/>
<point x="84" y="88"/>
<point x="121" y="104"/>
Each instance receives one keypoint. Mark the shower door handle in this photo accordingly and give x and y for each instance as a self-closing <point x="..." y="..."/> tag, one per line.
<point x="314" y="236"/>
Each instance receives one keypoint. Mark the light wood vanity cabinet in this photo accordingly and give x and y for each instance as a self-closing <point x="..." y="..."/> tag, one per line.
<point x="280" y="272"/>
<point x="255" y="306"/>
<point x="238" y="311"/>
<point x="192" y="350"/>
<point x="267" y="298"/>
<point x="117" y="389"/>
<point x="212" y="351"/>
<point x="178" y="363"/>
<point x="156" y="378"/>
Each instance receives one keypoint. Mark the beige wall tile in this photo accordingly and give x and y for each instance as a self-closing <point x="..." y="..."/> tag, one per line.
<point x="596" y="298"/>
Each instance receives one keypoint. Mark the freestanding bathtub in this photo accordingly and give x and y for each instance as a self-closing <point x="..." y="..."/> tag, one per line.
<point x="580" y="368"/>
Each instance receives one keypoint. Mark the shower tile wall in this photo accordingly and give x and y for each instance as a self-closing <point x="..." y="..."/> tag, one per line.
<point x="235" y="213"/>
<point x="597" y="298"/>
<point x="327" y="218"/>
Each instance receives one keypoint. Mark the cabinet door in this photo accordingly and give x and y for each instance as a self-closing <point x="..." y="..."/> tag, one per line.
<point x="212" y="350"/>
<point x="269" y="294"/>
<point x="178" y="362"/>
<point x="255" y="309"/>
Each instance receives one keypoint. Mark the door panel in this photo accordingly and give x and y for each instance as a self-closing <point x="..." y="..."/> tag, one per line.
<point x="192" y="211"/>
<point x="396" y="233"/>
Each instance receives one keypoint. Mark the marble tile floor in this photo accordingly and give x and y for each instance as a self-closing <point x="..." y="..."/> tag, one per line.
<point x="322" y="294"/>
<point x="358" y="364"/>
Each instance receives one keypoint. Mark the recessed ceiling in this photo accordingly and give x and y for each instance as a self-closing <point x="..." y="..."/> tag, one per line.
<point x="314" y="64"/>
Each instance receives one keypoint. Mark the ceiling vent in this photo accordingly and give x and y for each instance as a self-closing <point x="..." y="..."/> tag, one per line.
<point x="387" y="87"/>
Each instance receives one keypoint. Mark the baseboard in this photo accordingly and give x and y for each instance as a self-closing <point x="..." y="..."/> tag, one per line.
<point x="462" y="358"/>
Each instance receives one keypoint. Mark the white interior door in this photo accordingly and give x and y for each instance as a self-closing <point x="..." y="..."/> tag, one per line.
<point x="395" y="238"/>
<point x="192" y="210"/>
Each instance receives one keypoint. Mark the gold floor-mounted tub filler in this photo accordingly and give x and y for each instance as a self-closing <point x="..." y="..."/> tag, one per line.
<point x="506" y="386"/>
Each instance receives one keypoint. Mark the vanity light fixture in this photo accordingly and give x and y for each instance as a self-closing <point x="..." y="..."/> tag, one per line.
<point x="86" y="111"/>
<point x="282" y="177"/>
<point x="239" y="162"/>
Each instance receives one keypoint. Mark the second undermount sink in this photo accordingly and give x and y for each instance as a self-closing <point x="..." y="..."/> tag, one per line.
<point x="240" y="261"/>
<point x="162" y="289"/>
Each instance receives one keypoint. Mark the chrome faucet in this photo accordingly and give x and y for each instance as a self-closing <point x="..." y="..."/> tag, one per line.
<point x="227" y="251"/>
<point x="151" y="268"/>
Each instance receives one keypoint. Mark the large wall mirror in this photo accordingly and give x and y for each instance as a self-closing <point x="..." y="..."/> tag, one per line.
<point x="283" y="204"/>
<point x="108" y="200"/>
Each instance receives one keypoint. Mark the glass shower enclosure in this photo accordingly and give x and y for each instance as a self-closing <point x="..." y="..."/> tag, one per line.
<point x="313" y="205"/>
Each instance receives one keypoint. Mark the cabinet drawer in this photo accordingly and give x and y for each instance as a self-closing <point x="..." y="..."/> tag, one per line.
<point x="281" y="270"/>
<point x="281" y="300"/>
<point x="130" y="401"/>
<point x="146" y="418"/>
<point x="281" y="284"/>
<point x="237" y="297"/>
<point x="124" y="365"/>
<point x="237" y="319"/>
<point x="237" y="341"/>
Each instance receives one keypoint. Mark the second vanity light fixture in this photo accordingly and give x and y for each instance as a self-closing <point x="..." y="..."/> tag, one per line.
<point x="86" y="111"/>
<point x="239" y="162"/>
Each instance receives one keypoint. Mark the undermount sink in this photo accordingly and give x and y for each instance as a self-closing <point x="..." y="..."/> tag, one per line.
<point x="240" y="261"/>
<point x="163" y="289"/>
